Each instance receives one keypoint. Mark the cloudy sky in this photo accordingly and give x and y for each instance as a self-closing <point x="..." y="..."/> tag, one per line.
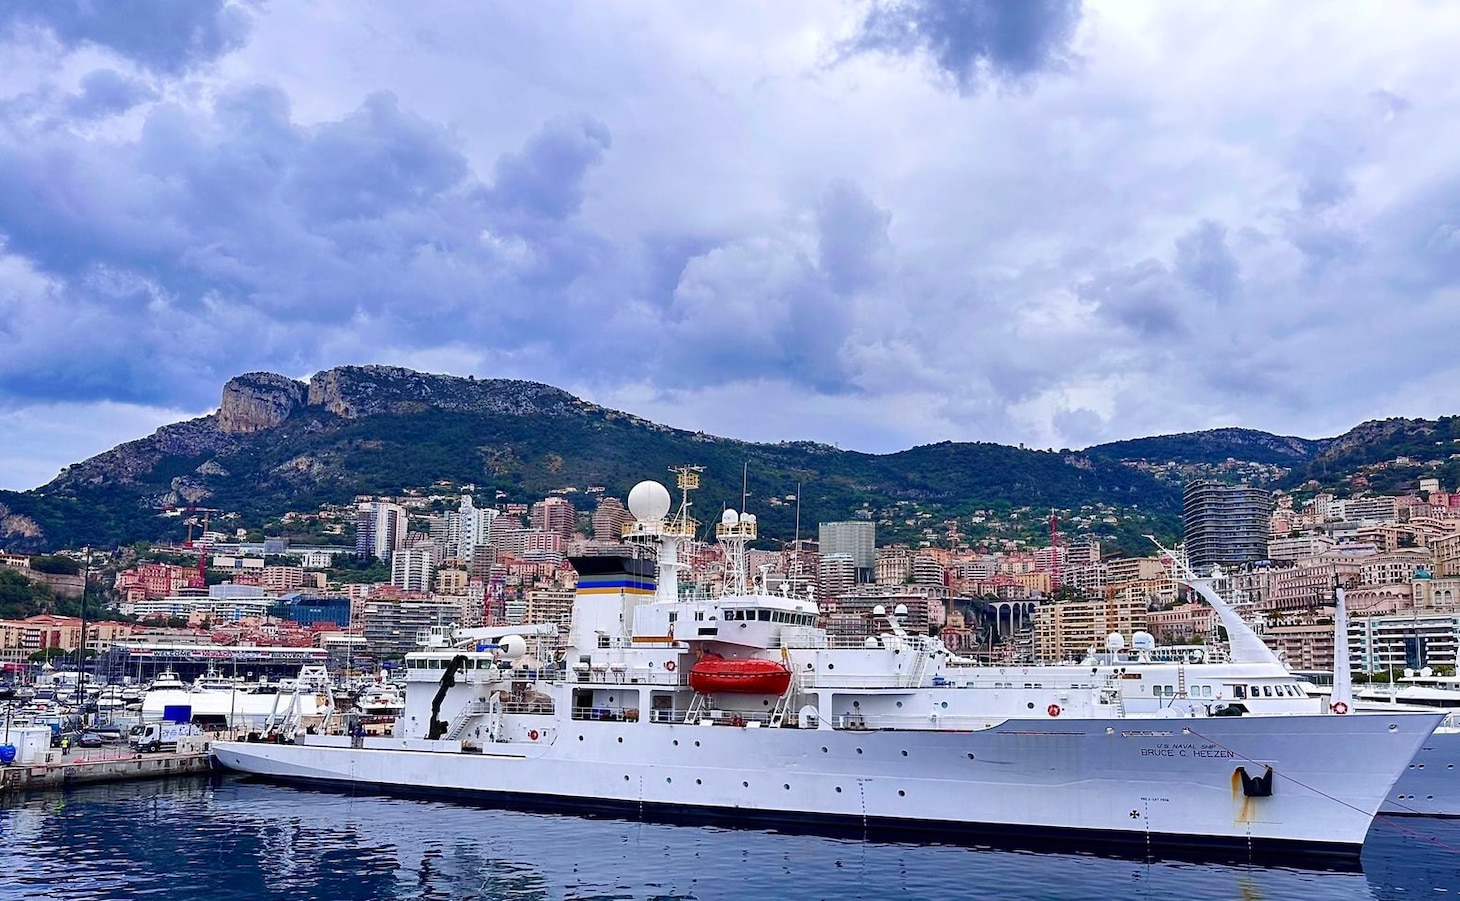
<point x="876" y="224"/>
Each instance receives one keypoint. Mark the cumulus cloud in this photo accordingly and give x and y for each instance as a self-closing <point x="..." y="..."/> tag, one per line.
<point x="238" y="217"/>
<point x="106" y="92"/>
<point x="162" y="35"/>
<point x="686" y="214"/>
<point x="974" y="42"/>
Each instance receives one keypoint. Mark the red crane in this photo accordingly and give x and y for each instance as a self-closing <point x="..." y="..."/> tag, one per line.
<point x="201" y="579"/>
<point x="1054" y="550"/>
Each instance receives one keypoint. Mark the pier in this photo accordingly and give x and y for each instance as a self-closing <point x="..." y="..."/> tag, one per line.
<point x="110" y="764"/>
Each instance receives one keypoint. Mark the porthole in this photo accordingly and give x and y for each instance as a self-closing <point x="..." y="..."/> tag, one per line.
<point x="580" y="738"/>
<point x="787" y="786"/>
<point x="765" y="703"/>
<point x="970" y="756"/>
<point x="831" y="666"/>
<point x="697" y="744"/>
<point x="745" y="784"/>
<point x="699" y="782"/>
<point x="945" y="705"/>
<point x="899" y="703"/>
<point x="823" y="749"/>
<point x="626" y="778"/>
<point x="620" y="739"/>
<point x="838" y="789"/>
<point x="901" y="793"/>
<point x="669" y="779"/>
<point x="1030" y="705"/>
<point x="859" y="750"/>
<point x="904" y="753"/>
<point x="676" y="742"/>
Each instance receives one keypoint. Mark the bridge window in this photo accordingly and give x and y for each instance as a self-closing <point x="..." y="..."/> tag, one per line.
<point x="765" y="616"/>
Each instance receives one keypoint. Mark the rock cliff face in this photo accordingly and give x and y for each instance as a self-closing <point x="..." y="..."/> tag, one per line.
<point x="256" y="401"/>
<point x="351" y="392"/>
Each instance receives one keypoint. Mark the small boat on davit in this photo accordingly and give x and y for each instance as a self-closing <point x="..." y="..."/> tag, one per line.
<point x="714" y="674"/>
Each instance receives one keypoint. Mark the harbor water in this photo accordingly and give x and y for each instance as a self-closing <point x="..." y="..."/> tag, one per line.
<point x="231" y="838"/>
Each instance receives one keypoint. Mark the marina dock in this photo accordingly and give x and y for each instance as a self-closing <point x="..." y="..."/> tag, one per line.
<point x="112" y="764"/>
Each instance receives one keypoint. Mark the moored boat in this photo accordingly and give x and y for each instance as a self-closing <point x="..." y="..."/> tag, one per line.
<point x="894" y="733"/>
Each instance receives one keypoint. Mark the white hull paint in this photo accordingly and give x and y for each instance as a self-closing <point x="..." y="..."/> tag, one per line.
<point x="1158" y="781"/>
<point x="1430" y="785"/>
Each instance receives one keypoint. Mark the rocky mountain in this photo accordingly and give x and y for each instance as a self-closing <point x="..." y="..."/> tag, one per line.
<point x="1213" y="447"/>
<point x="276" y="444"/>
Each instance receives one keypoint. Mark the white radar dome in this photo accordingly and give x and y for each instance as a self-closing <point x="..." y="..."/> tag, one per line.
<point x="649" y="501"/>
<point x="1143" y="641"/>
<point x="513" y="646"/>
<point x="730" y="517"/>
<point x="747" y="517"/>
<point x="1114" y="641"/>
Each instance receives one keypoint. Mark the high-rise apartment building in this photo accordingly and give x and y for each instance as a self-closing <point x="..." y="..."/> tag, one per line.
<point x="836" y="575"/>
<point x="411" y="568"/>
<point x="609" y="519"/>
<point x="857" y="539"/>
<point x="554" y="514"/>
<point x="468" y="528"/>
<point x="1225" y="525"/>
<point x="380" y="529"/>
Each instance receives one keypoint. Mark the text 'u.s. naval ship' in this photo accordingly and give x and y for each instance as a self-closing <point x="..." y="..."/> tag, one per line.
<point x="739" y="709"/>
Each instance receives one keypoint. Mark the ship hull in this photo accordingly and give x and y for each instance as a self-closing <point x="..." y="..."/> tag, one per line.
<point x="1151" y="783"/>
<point x="1430" y="785"/>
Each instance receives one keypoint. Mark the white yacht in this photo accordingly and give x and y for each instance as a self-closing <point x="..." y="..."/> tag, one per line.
<point x="260" y="706"/>
<point x="739" y="709"/>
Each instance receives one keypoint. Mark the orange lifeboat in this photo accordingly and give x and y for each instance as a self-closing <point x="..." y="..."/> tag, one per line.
<point x="714" y="674"/>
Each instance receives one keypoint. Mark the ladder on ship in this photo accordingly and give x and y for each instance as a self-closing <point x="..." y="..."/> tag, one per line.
<point x="699" y="705"/>
<point x="464" y="718"/>
<point x="1180" y="680"/>
<point x="783" y="704"/>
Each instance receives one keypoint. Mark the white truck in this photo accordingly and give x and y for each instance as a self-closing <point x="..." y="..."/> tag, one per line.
<point x="160" y="736"/>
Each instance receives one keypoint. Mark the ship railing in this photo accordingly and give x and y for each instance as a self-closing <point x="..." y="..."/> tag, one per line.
<point x="629" y="676"/>
<point x="536" y="707"/>
<point x="739" y="718"/>
<point x="857" y="722"/>
<point x="811" y="639"/>
<point x="607" y="714"/>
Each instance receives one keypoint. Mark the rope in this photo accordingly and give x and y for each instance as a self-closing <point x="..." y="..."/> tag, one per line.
<point x="1413" y="833"/>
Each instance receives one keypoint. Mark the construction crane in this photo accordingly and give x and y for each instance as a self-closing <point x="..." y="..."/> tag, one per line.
<point x="201" y="579"/>
<point x="1054" y="550"/>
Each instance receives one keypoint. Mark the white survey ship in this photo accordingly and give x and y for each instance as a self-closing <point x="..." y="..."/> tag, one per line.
<point x="739" y="709"/>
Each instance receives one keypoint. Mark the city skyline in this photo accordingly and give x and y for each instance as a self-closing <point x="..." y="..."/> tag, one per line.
<point x="888" y="217"/>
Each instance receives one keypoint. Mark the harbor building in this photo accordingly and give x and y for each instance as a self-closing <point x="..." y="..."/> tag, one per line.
<point x="1225" y="525"/>
<point x="142" y="661"/>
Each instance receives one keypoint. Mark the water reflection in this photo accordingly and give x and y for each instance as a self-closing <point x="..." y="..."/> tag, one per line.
<point x="239" y="839"/>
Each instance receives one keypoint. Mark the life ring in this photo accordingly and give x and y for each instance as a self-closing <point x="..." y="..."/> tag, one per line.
<point x="669" y="667"/>
<point x="532" y="735"/>
<point x="1338" y="707"/>
<point x="1053" y="710"/>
